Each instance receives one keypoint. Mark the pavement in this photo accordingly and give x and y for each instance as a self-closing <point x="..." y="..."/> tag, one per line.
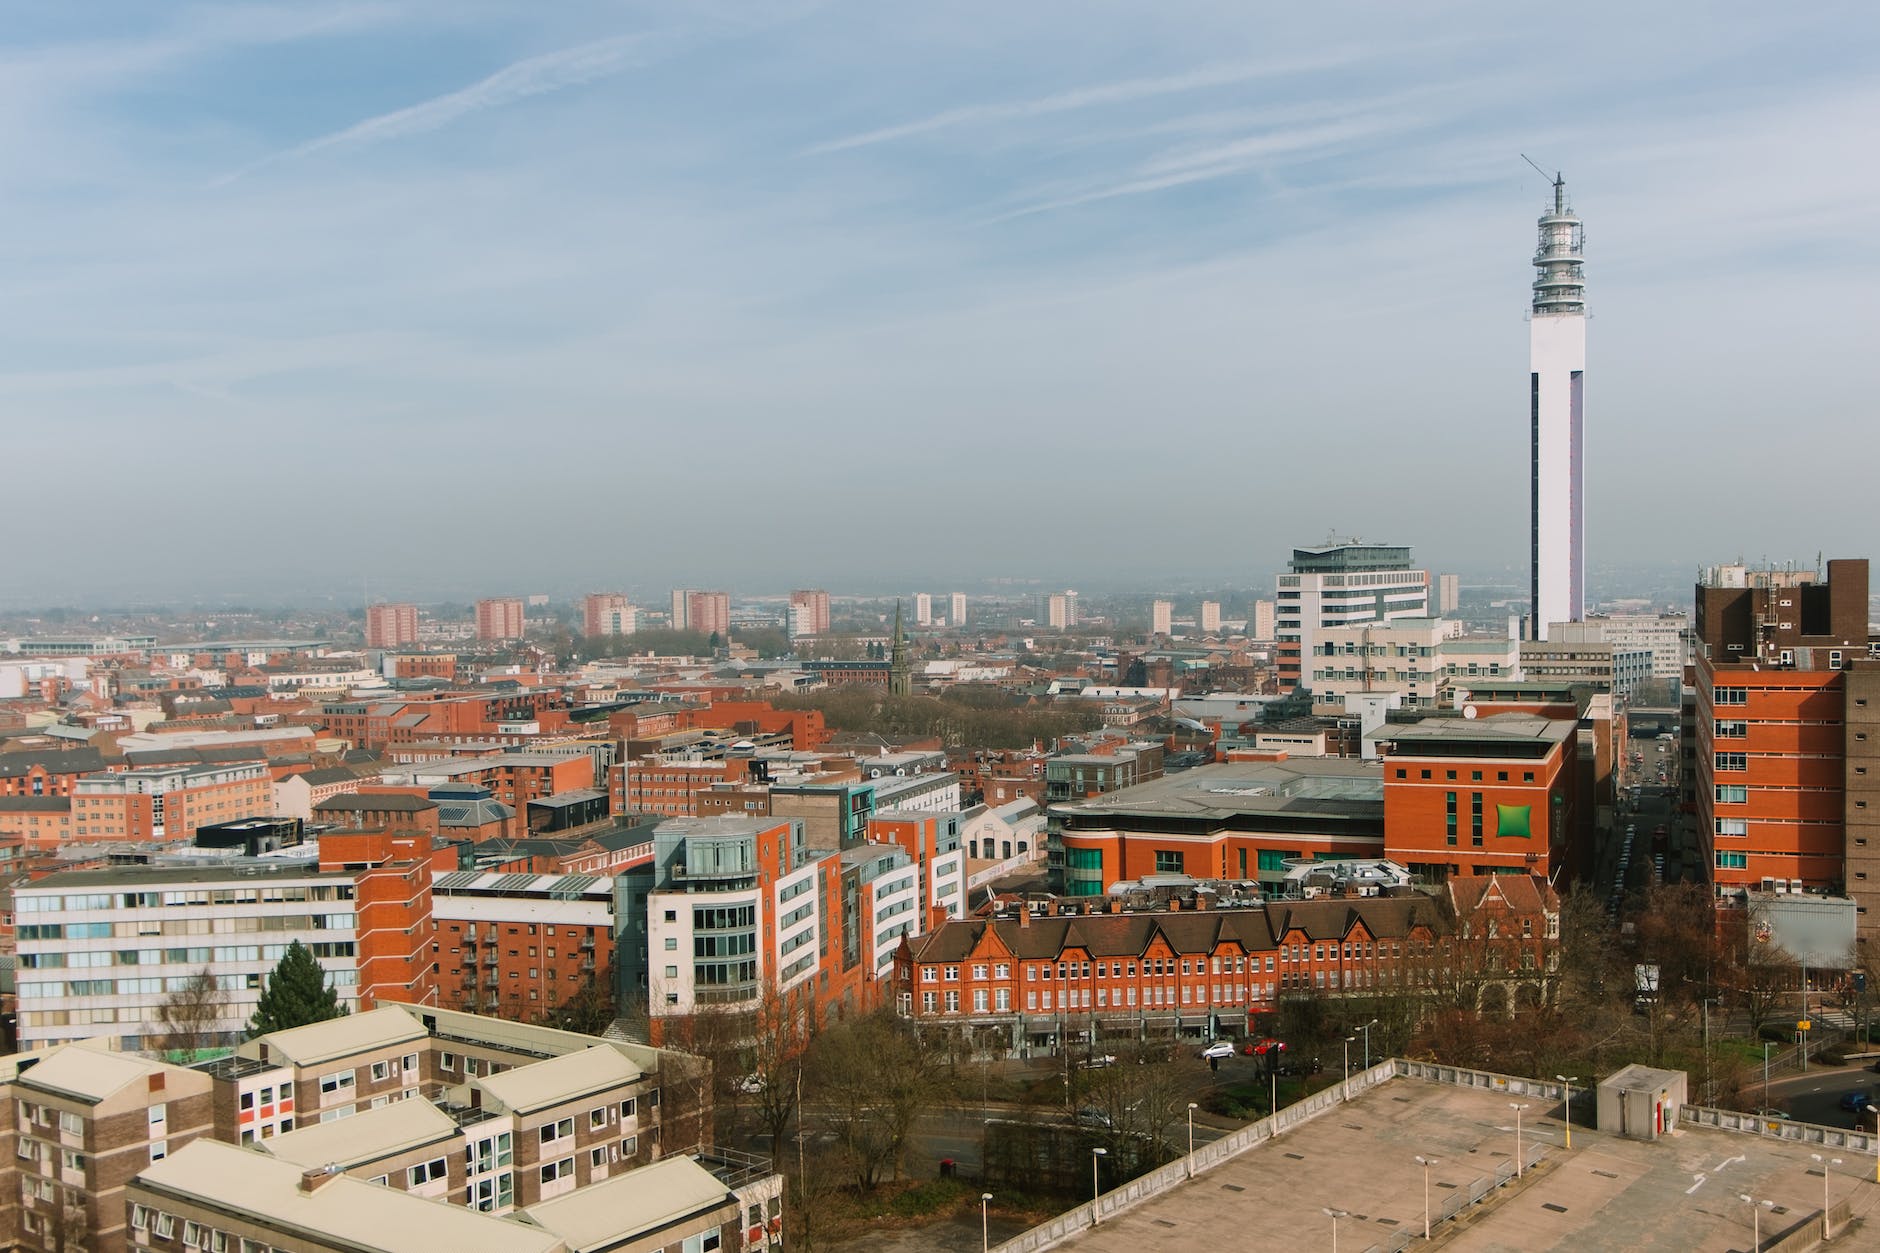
<point x="1604" y="1195"/>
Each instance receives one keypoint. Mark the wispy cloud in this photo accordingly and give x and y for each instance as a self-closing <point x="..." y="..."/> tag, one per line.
<point x="532" y="76"/>
<point x="1123" y="91"/>
<point x="1199" y="165"/>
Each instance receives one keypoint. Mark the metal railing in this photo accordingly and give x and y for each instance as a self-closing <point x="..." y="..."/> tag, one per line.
<point x="1254" y="1134"/>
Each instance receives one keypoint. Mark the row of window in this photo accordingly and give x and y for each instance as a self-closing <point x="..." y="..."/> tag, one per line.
<point x="1168" y="967"/>
<point x="275" y="894"/>
<point x="164" y="1225"/>
<point x="1475" y="776"/>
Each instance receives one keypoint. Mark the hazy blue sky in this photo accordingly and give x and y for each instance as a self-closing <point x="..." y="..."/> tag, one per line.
<point x="463" y="296"/>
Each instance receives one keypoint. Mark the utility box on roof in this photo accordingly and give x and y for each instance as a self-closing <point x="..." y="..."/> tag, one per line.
<point x="1641" y="1103"/>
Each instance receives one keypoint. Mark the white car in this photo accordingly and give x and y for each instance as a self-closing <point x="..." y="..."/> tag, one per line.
<point x="1220" y="1048"/>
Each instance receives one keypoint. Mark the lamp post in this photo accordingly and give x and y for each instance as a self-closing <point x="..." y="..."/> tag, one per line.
<point x="1426" y="1163"/>
<point x="1191" y="1139"/>
<point x="1827" y="1224"/>
<point x="1096" y="1155"/>
<point x="1765" y="1108"/>
<point x="1520" y="1166"/>
<point x="1755" y="1214"/>
<point x="1569" y="1081"/>
<point x="1335" y="1215"/>
<point x="1366" y="1028"/>
<point x="985" y="1223"/>
<point x="1348" y="1040"/>
<point x="1875" y="1111"/>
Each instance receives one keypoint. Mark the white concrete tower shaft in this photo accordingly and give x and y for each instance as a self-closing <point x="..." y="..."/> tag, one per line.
<point x="1557" y="361"/>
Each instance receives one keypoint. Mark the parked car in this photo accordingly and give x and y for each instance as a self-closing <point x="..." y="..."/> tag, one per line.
<point x="1091" y="1116"/>
<point x="1220" y="1048"/>
<point x="750" y="1083"/>
<point x="1098" y="1062"/>
<point x="1855" y="1102"/>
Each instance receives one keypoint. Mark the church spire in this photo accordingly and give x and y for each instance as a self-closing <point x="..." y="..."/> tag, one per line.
<point x="900" y="674"/>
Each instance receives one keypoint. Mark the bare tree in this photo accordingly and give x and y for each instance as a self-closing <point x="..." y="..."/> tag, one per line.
<point x="873" y="1079"/>
<point x="778" y="1043"/>
<point x="189" y="1019"/>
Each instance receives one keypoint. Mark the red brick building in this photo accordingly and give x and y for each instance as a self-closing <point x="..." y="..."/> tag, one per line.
<point x="1494" y="795"/>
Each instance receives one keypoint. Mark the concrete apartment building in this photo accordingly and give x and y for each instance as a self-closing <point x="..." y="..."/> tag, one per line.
<point x="1060" y="610"/>
<point x="391" y="625"/>
<point x="956" y="610"/>
<point x="1784" y="776"/>
<point x="1264" y="621"/>
<point x="500" y="618"/>
<point x="1341" y="583"/>
<point x="733" y="909"/>
<point x="1162" y="617"/>
<point x="98" y="950"/>
<point x="82" y="1123"/>
<point x="169" y="802"/>
<point x="707" y="613"/>
<point x="1666" y="636"/>
<point x="923" y="609"/>
<point x="1210" y="620"/>
<point x="608" y="613"/>
<point x="809" y="612"/>
<point x="1448" y="593"/>
<point x="1415" y="659"/>
<point x="1574" y="652"/>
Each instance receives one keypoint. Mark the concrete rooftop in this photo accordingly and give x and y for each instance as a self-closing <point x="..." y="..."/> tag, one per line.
<point x="1678" y="1195"/>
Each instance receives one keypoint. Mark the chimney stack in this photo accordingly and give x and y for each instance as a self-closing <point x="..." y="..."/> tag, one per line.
<point x="313" y="1180"/>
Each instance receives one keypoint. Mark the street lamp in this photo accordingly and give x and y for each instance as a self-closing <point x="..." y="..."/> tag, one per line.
<point x="1827" y="1224"/>
<point x="1191" y="1138"/>
<point x="1755" y="1213"/>
<point x="1875" y="1111"/>
<point x="1569" y="1080"/>
<point x="1426" y="1163"/>
<point x="985" y="1223"/>
<point x="1096" y="1155"/>
<point x="1366" y="1028"/>
<point x="1348" y="1040"/>
<point x="1334" y="1215"/>
<point x="1519" y="1165"/>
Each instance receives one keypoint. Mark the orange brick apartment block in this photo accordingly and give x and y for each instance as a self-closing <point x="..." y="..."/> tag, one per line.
<point x="391" y="625"/>
<point x="500" y="618"/>
<point x="168" y="802"/>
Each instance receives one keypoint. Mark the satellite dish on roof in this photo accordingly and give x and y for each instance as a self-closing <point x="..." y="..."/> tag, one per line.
<point x="1468" y="711"/>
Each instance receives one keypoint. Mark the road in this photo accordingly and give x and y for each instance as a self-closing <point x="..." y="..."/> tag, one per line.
<point x="1815" y="1097"/>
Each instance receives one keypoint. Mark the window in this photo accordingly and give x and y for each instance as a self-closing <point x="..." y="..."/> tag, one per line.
<point x="1732" y="861"/>
<point x="555" y="1171"/>
<point x="1732" y="761"/>
<point x="336" y="1082"/>
<point x="1168" y="861"/>
<point x="597" y="1156"/>
<point x="953" y="1002"/>
<point x="381" y="1071"/>
<point x="979" y="972"/>
<point x="1449" y="818"/>
<point x="553" y="1131"/>
<point x="1730" y="696"/>
<point x="410" y="1061"/>
<point x="1732" y="794"/>
<point x="979" y="1001"/>
<point x="1732" y="826"/>
<point x="628" y="1147"/>
<point x="597" y="1118"/>
<point x="426" y="1172"/>
<point x="626" y="1109"/>
<point x="1475" y="819"/>
<point x="1002" y="971"/>
<point x="1731" y="730"/>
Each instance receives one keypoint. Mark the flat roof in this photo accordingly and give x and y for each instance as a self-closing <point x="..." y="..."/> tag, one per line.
<point x="245" y="1183"/>
<point x="366" y="1136"/>
<point x="1497" y="728"/>
<point x="249" y="871"/>
<point x="634" y="1204"/>
<point x="1321" y="786"/>
<point x="559" y="1079"/>
<point x="343" y="1036"/>
<point x="1673" y="1195"/>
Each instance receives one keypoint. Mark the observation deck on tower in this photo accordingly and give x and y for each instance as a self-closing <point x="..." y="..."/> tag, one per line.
<point x="1560" y="287"/>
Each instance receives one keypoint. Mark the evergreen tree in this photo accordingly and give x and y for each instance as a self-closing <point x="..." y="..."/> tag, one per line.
<point x="295" y="994"/>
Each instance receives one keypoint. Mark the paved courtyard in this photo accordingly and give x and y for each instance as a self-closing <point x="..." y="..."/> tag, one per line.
<point x="1679" y="1195"/>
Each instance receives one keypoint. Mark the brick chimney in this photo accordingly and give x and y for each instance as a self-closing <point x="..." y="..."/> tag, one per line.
<point x="318" y="1177"/>
<point x="1024" y="915"/>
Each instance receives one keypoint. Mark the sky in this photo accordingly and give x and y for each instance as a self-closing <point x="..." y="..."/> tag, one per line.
<point x="428" y="299"/>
